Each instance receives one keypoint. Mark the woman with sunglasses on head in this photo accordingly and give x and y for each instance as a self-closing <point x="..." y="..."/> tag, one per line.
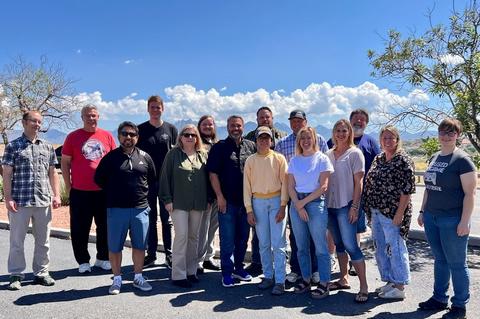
<point x="448" y="201"/>
<point x="209" y="223"/>
<point x="308" y="175"/>
<point x="185" y="192"/>
<point x="388" y="188"/>
<point x="343" y="200"/>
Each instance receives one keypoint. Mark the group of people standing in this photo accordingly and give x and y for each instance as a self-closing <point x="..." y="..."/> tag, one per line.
<point x="262" y="181"/>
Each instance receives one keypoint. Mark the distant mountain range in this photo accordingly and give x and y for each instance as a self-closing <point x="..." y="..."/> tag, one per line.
<point x="55" y="136"/>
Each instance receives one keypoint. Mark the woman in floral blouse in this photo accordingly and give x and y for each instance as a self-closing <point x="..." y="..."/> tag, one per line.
<point x="389" y="185"/>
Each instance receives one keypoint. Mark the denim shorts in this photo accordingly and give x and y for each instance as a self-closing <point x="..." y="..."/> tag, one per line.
<point x="120" y="221"/>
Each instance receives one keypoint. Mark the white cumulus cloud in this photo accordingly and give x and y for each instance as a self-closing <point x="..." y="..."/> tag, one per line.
<point x="323" y="103"/>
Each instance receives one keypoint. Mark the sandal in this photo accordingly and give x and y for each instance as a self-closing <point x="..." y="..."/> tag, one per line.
<point x="321" y="292"/>
<point x="302" y="287"/>
<point x="336" y="285"/>
<point x="361" y="297"/>
<point x="351" y="269"/>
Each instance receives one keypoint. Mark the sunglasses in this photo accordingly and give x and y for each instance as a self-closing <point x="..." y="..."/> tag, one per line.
<point x="189" y="135"/>
<point x="449" y="133"/>
<point x="129" y="134"/>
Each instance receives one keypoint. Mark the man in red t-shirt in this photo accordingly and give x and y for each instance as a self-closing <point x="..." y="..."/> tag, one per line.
<point x="82" y="151"/>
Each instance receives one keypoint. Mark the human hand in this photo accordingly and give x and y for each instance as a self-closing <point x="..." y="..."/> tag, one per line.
<point x="169" y="208"/>
<point x="397" y="219"/>
<point x="222" y="204"/>
<point x="463" y="228"/>
<point x="302" y="213"/>
<point x="251" y="219"/>
<point x="352" y="215"/>
<point x="280" y="214"/>
<point x="56" y="202"/>
<point x="420" y="220"/>
<point x="11" y="205"/>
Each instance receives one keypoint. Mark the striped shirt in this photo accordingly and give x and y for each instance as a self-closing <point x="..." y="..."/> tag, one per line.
<point x="286" y="146"/>
<point x="31" y="163"/>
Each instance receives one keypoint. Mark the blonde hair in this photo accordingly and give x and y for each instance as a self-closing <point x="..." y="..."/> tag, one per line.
<point x="394" y="131"/>
<point x="310" y="130"/>
<point x="198" y="140"/>
<point x="350" y="132"/>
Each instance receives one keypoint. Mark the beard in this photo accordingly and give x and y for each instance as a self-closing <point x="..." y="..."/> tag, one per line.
<point x="358" y="131"/>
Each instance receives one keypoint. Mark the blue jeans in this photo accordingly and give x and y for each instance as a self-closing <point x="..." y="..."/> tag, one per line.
<point x="344" y="234"/>
<point x="272" y="237"/>
<point x="234" y="230"/>
<point x="314" y="229"/>
<point x="390" y="250"/>
<point x="450" y="254"/>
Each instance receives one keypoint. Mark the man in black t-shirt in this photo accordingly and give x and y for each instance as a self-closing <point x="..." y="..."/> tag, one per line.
<point x="157" y="137"/>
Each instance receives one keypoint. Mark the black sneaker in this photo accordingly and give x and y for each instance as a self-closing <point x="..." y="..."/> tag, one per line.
<point x="455" y="313"/>
<point x="44" y="281"/>
<point x="193" y="278"/>
<point x="432" y="304"/>
<point x="184" y="283"/>
<point x="168" y="261"/>
<point x="211" y="265"/>
<point x="149" y="261"/>
<point x="254" y="269"/>
<point x="200" y="271"/>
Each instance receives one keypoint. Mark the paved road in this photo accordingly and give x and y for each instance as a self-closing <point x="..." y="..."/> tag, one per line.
<point x="79" y="296"/>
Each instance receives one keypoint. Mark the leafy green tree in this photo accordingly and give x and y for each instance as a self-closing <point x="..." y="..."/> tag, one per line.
<point x="444" y="62"/>
<point x="430" y="146"/>
<point x="44" y="88"/>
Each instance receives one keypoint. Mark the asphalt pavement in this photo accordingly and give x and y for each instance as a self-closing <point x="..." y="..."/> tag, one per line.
<point x="86" y="296"/>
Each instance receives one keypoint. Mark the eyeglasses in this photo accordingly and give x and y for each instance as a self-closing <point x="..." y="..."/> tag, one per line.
<point x="449" y="133"/>
<point x="129" y="134"/>
<point x="189" y="135"/>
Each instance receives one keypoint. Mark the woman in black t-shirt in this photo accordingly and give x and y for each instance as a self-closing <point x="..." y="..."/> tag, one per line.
<point x="450" y="183"/>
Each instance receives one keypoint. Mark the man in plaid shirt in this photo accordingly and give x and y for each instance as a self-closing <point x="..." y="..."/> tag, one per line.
<point x="29" y="177"/>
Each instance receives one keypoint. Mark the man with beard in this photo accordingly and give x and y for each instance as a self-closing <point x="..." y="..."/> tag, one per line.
<point x="264" y="118"/>
<point x="225" y="164"/>
<point x="126" y="174"/>
<point x="82" y="151"/>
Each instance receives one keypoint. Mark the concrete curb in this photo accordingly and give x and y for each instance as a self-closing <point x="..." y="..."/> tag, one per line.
<point x="473" y="241"/>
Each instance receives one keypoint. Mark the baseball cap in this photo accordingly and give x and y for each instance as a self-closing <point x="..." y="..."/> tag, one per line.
<point x="299" y="114"/>
<point x="263" y="130"/>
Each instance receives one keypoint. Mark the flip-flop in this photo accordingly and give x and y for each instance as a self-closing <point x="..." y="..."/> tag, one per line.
<point x="361" y="297"/>
<point x="336" y="285"/>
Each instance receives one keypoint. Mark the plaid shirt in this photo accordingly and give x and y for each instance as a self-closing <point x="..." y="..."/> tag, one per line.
<point x="286" y="146"/>
<point x="31" y="163"/>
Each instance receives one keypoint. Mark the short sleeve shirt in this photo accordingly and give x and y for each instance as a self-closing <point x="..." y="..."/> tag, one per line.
<point x="307" y="169"/>
<point x="31" y="162"/>
<point x="340" y="183"/>
<point x="157" y="141"/>
<point x="227" y="160"/>
<point x="86" y="150"/>
<point x="443" y="184"/>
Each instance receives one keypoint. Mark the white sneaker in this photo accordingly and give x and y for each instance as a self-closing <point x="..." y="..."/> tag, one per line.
<point x="292" y="277"/>
<point x="142" y="284"/>
<point x="385" y="288"/>
<point x="104" y="264"/>
<point x="83" y="268"/>
<point x="315" y="278"/>
<point x="115" y="287"/>
<point x="393" y="293"/>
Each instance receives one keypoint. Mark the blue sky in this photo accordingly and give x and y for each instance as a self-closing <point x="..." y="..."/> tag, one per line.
<point x="219" y="57"/>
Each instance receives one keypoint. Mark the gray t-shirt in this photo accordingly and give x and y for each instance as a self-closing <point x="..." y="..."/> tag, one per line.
<point x="443" y="184"/>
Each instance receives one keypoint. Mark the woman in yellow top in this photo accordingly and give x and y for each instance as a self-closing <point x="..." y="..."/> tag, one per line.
<point x="265" y="195"/>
